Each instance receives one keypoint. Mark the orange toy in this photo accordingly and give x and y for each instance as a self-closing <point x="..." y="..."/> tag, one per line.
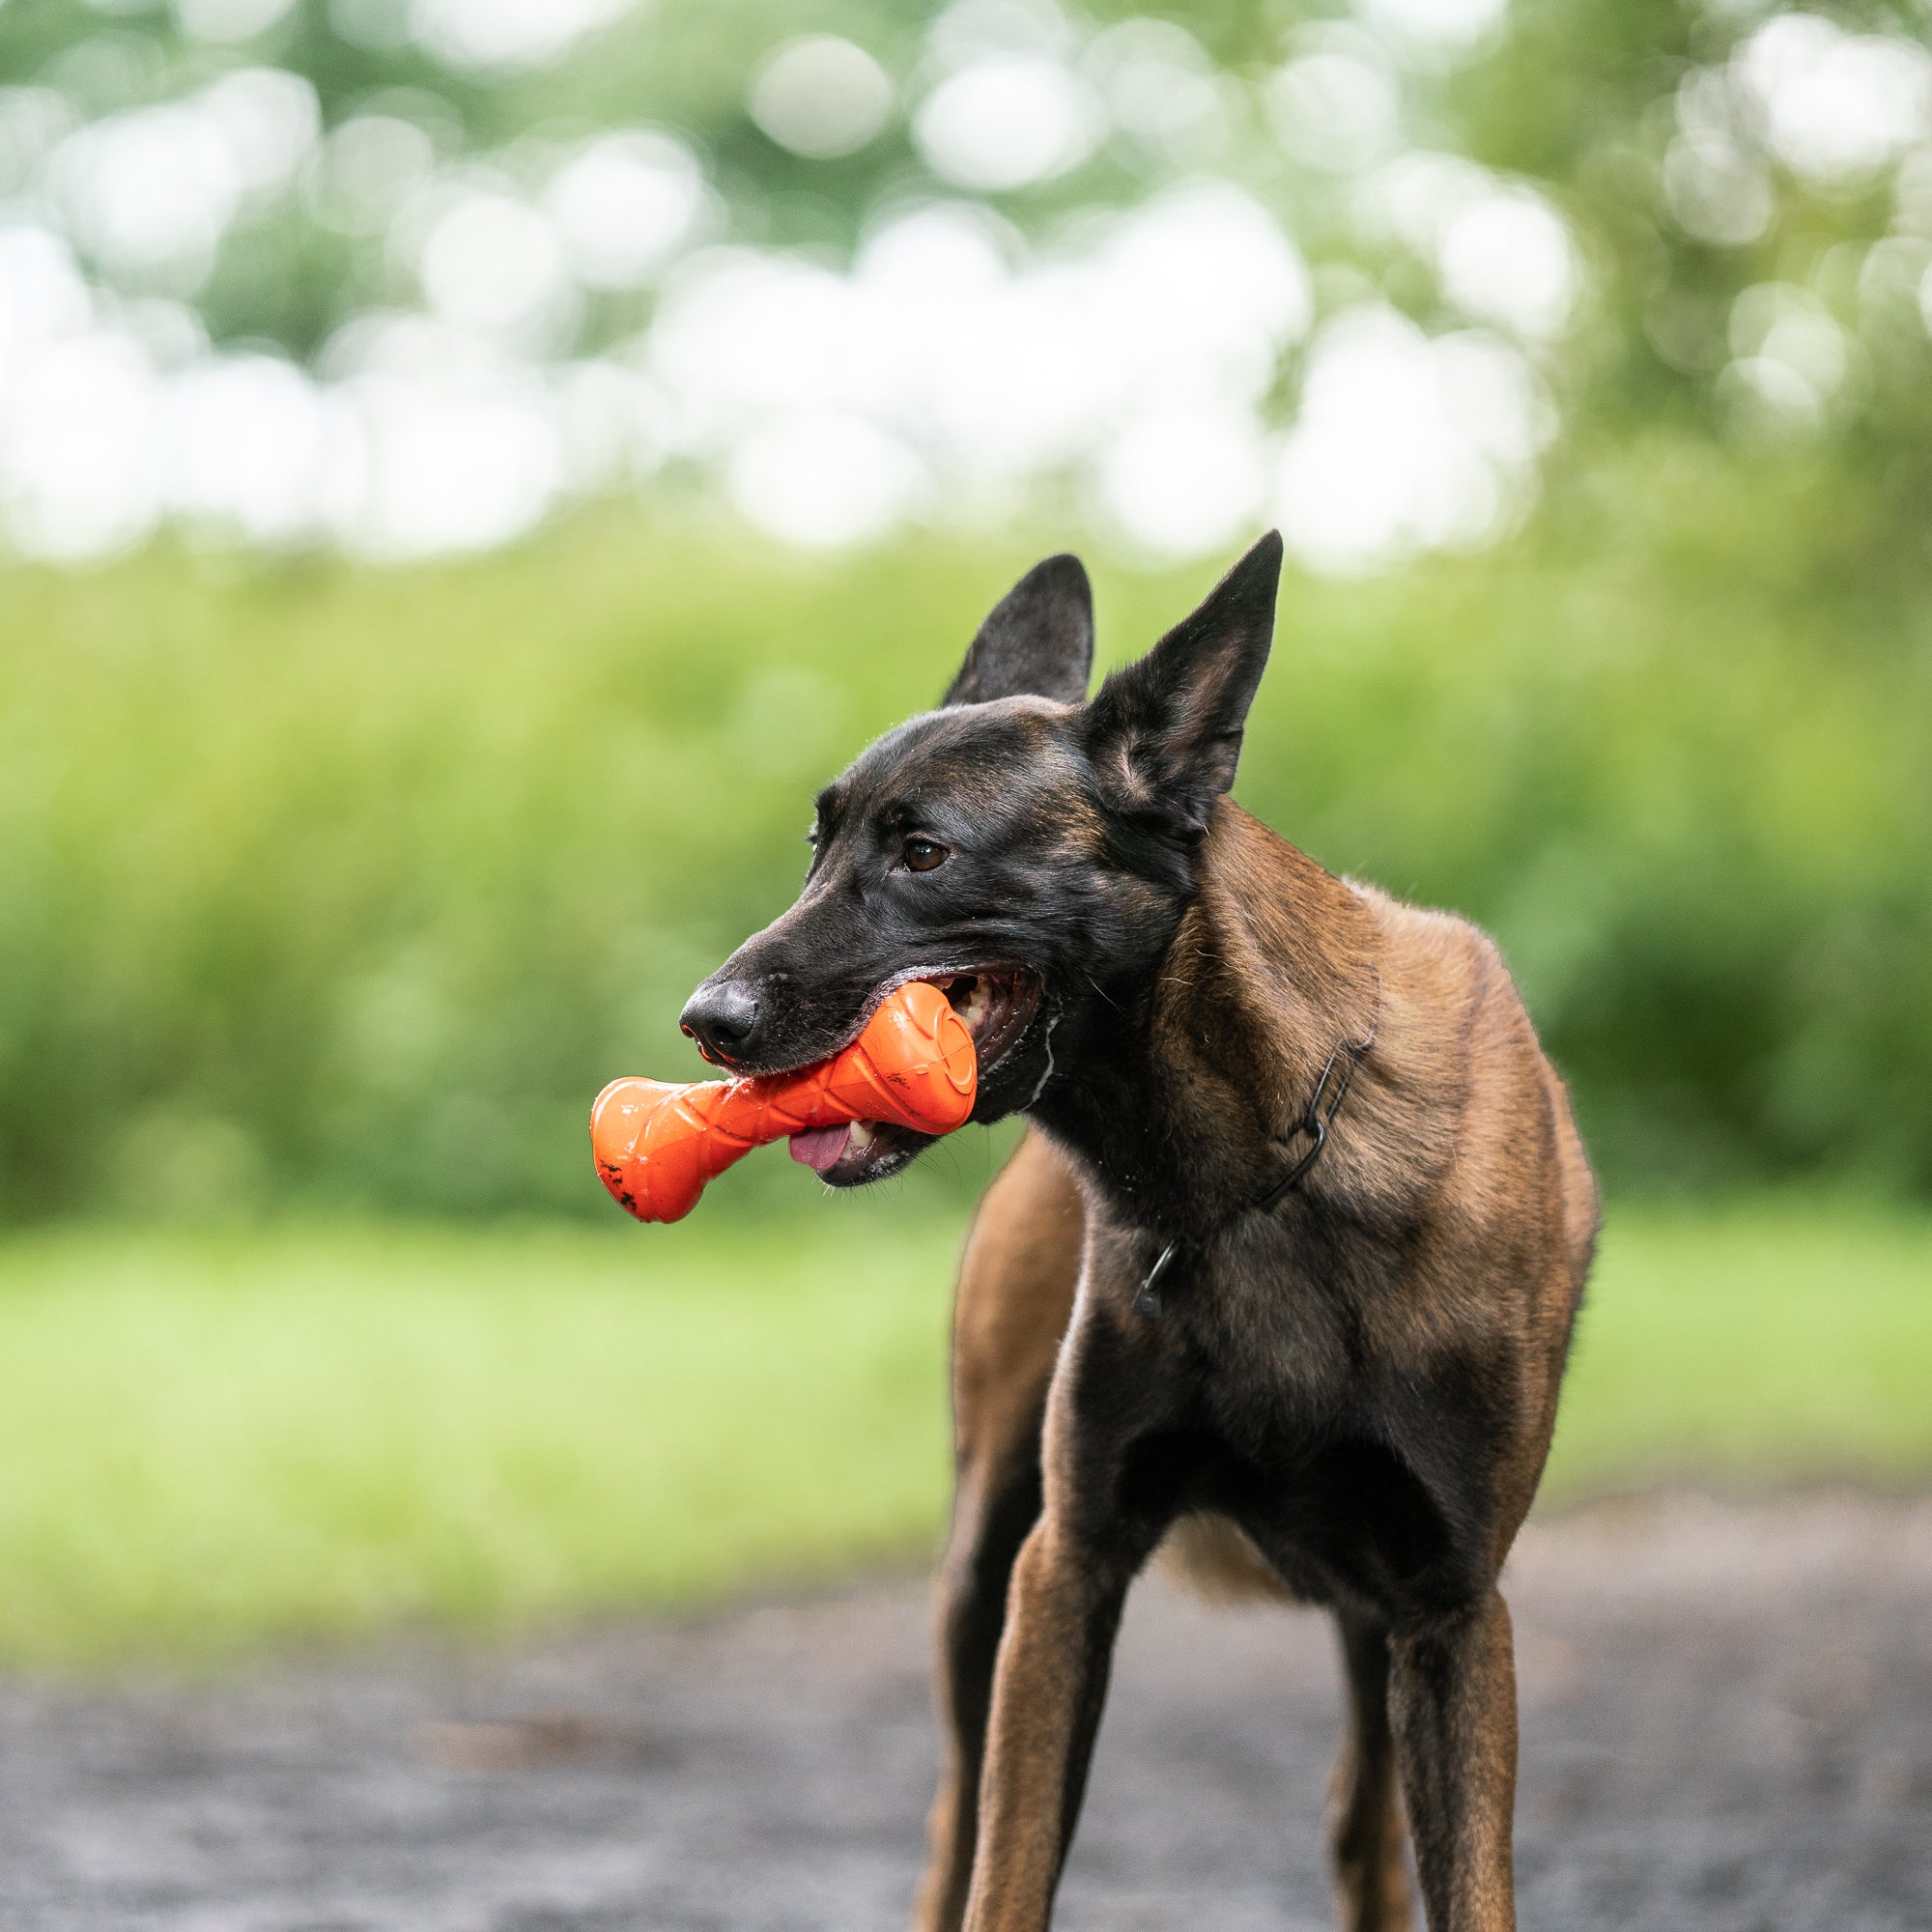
<point x="656" y="1144"/>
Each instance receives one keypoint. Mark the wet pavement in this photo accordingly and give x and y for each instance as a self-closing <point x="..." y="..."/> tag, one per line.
<point x="1727" y="1724"/>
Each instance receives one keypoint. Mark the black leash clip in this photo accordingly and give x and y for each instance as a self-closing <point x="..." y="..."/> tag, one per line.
<point x="1315" y="1124"/>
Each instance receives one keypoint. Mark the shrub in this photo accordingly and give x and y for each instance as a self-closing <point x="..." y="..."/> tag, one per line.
<point x="324" y="885"/>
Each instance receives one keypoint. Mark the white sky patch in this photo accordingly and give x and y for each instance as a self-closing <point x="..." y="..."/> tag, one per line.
<point x="81" y="459"/>
<point x="951" y="368"/>
<point x="268" y="119"/>
<point x="1184" y="481"/>
<point x="1405" y="444"/>
<point x="150" y="193"/>
<point x="171" y="334"/>
<point x="1005" y="121"/>
<point x="1793" y="363"/>
<point x="244" y="438"/>
<point x="369" y="165"/>
<point x="223" y="20"/>
<point x="946" y="366"/>
<point x="1717" y="190"/>
<point x="1792" y="326"/>
<point x="1504" y="253"/>
<point x="429" y="464"/>
<point x="1411" y="197"/>
<point x="427" y="439"/>
<point x="33" y="120"/>
<point x="616" y="424"/>
<point x="1160" y="88"/>
<point x="1438" y="22"/>
<point x="742" y="336"/>
<point x="1436" y="26"/>
<point x="1334" y="110"/>
<point x="491" y="262"/>
<point x="994" y="370"/>
<point x="970" y="28"/>
<point x="822" y="479"/>
<point x="624" y="205"/>
<point x="1765" y="400"/>
<point x="1835" y="107"/>
<point x="822" y="97"/>
<point x="383" y="26"/>
<point x="1506" y="257"/>
<point x="43" y="297"/>
<point x="1208" y="272"/>
<point x="501" y="34"/>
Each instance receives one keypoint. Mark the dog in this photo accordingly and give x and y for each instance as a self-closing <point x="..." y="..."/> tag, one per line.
<point x="1282" y="1274"/>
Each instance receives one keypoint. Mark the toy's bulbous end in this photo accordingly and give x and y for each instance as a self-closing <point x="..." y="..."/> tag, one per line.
<point x="651" y="1174"/>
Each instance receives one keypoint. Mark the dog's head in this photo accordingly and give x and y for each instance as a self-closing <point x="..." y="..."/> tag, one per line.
<point x="1025" y="850"/>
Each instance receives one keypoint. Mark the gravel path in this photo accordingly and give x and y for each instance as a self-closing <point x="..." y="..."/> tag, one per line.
<point x="1727" y="1724"/>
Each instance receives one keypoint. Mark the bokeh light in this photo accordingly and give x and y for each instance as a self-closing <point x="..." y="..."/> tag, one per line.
<point x="1008" y="259"/>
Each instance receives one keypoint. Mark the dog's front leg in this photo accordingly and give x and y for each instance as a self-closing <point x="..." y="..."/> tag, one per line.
<point x="1453" y="1699"/>
<point x="1061" y="1615"/>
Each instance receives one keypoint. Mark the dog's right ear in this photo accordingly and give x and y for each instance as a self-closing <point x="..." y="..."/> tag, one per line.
<point x="1039" y="642"/>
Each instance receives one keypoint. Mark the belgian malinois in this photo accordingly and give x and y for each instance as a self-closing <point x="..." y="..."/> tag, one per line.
<point x="1283" y="1273"/>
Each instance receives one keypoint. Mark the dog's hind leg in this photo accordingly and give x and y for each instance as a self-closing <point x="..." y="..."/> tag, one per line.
<point x="1453" y="1699"/>
<point x="1365" y="1815"/>
<point x="1016" y="1283"/>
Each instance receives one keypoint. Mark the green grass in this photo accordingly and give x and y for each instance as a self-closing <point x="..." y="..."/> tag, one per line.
<point x="209" y="1440"/>
<point x="1752" y="1344"/>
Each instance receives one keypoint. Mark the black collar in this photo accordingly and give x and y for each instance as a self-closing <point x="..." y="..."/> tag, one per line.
<point x="1315" y="1121"/>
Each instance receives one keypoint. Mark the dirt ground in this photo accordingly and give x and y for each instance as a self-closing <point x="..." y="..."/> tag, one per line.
<point x="1727" y="1724"/>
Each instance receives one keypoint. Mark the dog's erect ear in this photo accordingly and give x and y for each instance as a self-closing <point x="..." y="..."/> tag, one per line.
<point x="1164" y="733"/>
<point x="1039" y="642"/>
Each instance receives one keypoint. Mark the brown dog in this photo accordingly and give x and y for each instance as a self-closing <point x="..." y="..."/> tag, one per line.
<point x="1284" y="1274"/>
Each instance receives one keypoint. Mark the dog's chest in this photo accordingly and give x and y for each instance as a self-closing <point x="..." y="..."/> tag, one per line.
<point x="1275" y="1327"/>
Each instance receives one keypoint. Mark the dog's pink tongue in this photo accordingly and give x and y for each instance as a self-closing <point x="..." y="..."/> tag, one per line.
<point x="819" y="1146"/>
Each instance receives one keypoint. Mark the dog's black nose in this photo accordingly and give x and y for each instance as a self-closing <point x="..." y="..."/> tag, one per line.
<point x="720" y="1018"/>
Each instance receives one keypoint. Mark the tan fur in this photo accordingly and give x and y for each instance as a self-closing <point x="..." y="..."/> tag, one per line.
<point x="1458" y="1135"/>
<point x="1017" y="1281"/>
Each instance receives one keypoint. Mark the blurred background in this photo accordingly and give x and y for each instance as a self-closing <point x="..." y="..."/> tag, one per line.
<point x="469" y="470"/>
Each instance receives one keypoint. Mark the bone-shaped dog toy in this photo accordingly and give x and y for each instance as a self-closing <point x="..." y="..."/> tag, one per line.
<point x="656" y="1144"/>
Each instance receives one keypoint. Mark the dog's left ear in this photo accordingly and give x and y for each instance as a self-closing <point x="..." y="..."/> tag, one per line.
<point x="1039" y="642"/>
<point x="1164" y="733"/>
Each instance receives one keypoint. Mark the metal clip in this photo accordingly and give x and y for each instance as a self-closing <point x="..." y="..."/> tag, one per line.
<point x="1147" y="1303"/>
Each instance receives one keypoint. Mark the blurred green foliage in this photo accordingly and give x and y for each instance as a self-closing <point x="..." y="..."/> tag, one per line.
<point x="318" y="886"/>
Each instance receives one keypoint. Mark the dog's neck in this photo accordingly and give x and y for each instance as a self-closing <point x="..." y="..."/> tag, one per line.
<point x="1177" y="1095"/>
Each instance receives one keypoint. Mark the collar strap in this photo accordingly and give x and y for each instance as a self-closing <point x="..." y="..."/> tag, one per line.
<point x="1317" y="1118"/>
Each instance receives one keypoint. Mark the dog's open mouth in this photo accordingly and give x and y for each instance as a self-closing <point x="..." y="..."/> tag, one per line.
<point x="998" y="1004"/>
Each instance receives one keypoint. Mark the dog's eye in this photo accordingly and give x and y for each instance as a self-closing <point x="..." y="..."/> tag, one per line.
<point x="922" y="855"/>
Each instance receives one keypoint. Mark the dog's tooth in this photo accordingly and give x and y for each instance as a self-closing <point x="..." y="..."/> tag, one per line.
<point x="860" y="1138"/>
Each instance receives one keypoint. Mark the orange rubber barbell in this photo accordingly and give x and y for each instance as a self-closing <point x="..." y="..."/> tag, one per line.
<point x="656" y="1144"/>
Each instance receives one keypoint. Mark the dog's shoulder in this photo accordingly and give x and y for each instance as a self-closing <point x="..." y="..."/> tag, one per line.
<point x="1424" y="941"/>
<point x="1458" y="1068"/>
<point x="1448" y="977"/>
